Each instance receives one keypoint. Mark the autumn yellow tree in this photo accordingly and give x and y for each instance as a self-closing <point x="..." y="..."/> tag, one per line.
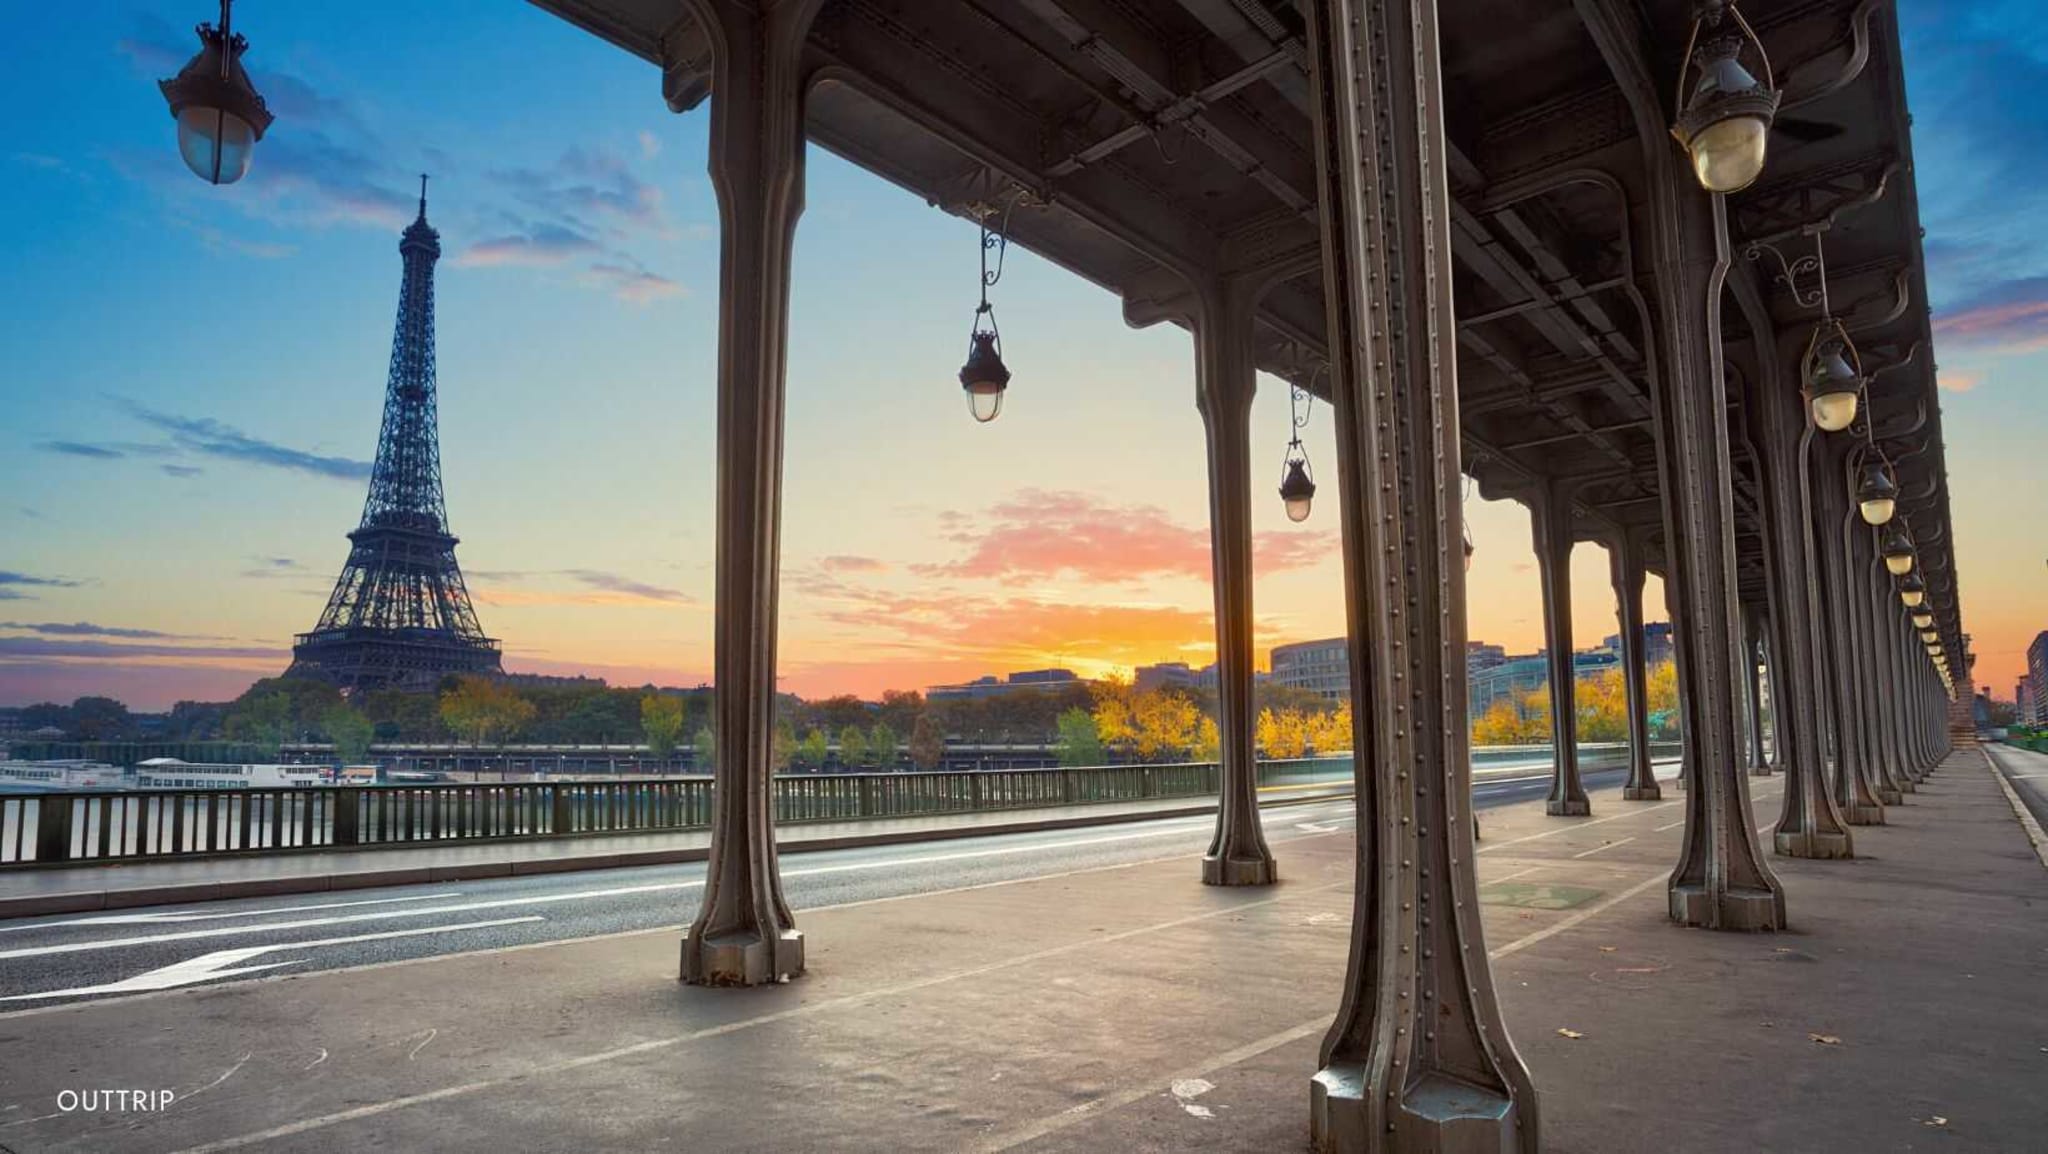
<point x="1282" y="733"/>
<point x="1329" y="731"/>
<point x="1165" y="725"/>
<point x="1602" y="707"/>
<point x="483" y="709"/>
<point x="1663" y="700"/>
<point x="1115" y="725"/>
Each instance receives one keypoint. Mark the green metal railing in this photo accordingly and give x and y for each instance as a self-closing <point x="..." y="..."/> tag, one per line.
<point x="148" y="825"/>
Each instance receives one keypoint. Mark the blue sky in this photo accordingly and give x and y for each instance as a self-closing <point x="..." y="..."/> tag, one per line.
<point x="193" y="376"/>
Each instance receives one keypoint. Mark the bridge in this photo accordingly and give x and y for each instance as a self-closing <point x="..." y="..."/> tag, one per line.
<point x="1653" y="269"/>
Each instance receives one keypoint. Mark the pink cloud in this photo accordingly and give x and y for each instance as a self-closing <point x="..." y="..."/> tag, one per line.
<point x="1959" y="380"/>
<point x="848" y="563"/>
<point x="1041" y="533"/>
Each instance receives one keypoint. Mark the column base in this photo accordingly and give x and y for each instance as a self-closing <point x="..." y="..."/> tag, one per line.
<point x="743" y="959"/>
<point x="1568" y="807"/>
<point x="1650" y="792"/>
<point x="1863" y="814"/>
<point x="1908" y="784"/>
<point x="1801" y="843"/>
<point x="1761" y="771"/>
<point x="1229" y="871"/>
<point x="1735" y="909"/>
<point x="1438" y="1113"/>
<point x="1889" y="796"/>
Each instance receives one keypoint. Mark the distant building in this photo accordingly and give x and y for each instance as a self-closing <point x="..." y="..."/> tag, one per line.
<point x="992" y="686"/>
<point x="1321" y="667"/>
<point x="1479" y="655"/>
<point x="1657" y="645"/>
<point x="1169" y="673"/>
<point x="1515" y="676"/>
<point x="552" y="681"/>
<point x="2037" y="676"/>
<point x="2026" y="707"/>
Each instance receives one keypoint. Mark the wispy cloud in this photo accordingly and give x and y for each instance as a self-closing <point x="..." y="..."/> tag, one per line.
<point x="208" y="437"/>
<point x="11" y="578"/>
<point x="88" y="629"/>
<point x="632" y="282"/>
<point x="846" y="563"/>
<point x="1043" y="534"/>
<point x="2004" y="317"/>
<point x="181" y="470"/>
<point x="106" y="450"/>
<point x="606" y="588"/>
<point x="19" y="648"/>
<point x="543" y="245"/>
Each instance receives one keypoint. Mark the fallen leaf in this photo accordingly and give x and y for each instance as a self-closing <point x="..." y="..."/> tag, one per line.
<point x="1826" y="1039"/>
<point x="1563" y="1032"/>
<point x="1606" y="949"/>
<point x="1936" y="1120"/>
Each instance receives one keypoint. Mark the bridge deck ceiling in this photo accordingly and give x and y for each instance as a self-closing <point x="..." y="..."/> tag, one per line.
<point x="1077" y="111"/>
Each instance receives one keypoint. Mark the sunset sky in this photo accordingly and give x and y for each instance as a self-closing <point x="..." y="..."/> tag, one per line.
<point x="193" y="378"/>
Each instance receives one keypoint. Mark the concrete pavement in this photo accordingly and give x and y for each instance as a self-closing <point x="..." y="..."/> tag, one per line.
<point x="1130" y="1008"/>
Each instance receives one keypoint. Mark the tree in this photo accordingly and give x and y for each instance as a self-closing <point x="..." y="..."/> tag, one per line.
<point x="350" y="732"/>
<point x="100" y="719"/>
<point x="1079" y="743"/>
<point x="264" y="721"/>
<point x="853" y="747"/>
<point x="707" y="749"/>
<point x="927" y="744"/>
<point x="1165" y="724"/>
<point x="882" y="746"/>
<point x="661" y="722"/>
<point x="1282" y="733"/>
<point x="811" y="754"/>
<point x="1208" y="741"/>
<point x="482" y="709"/>
<point x="1663" y="702"/>
<point x="782" y="747"/>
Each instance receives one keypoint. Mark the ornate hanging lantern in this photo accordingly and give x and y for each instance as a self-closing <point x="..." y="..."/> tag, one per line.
<point x="1725" y="125"/>
<point x="219" y="112"/>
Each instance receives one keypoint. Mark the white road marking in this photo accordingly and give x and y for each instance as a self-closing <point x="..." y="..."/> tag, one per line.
<point x="1494" y="845"/>
<point x="1606" y="846"/>
<point x="1670" y="825"/>
<point x="209" y="967"/>
<point x="167" y="916"/>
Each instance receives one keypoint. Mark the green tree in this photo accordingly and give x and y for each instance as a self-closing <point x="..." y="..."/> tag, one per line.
<point x="853" y="747"/>
<point x="100" y="719"/>
<point x="350" y="732"/>
<point x="264" y="722"/>
<point x="927" y="744"/>
<point x="882" y="746"/>
<point x="1079" y="742"/>
<point x="814" y="750"/>
<point x="481" y="710"/>
<point x="783" y="748"/>
<point x="661" y="722"/>
<point x="707" y="749"/>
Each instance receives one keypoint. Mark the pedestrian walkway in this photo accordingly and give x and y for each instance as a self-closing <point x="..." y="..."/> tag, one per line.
<point x="1131" y="1009"/>
<point x="26" y="892"/>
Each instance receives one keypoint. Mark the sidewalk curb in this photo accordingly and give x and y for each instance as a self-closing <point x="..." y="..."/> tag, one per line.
<point x="114" y="898"/>
<point x="2035" y="835"/>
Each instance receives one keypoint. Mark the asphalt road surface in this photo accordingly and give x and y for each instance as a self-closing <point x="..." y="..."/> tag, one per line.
<point x="45" y="961"/>
<point x="2028" y="773"/>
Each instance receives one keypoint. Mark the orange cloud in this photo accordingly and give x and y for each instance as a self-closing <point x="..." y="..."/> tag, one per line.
<point x="1041" y="533"/>
<point x="1959" y="380"/>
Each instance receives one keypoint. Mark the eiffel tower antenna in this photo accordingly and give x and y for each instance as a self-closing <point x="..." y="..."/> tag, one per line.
<point x="400" y="616"/>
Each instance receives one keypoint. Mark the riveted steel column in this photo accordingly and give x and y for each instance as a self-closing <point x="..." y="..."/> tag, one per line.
<point x="1550" y="519"/>
<point x="1752" y="657"/>
<point x="1625" y="564"/>
<point x="1858" y="802"/>
<point x="744" y="934"/>
<point x="1721" y="880"/>
<point x="1418" y="1057"/>
<point x="1225" y="380"/>
<point x="1889" y="777"/>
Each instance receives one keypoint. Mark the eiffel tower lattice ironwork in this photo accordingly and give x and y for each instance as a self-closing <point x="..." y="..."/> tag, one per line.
<point x="400" y="616"/>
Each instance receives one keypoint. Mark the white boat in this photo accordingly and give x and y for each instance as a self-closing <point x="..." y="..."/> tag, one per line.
<point x="59" y="776"/>
<point x="171" y="773"/>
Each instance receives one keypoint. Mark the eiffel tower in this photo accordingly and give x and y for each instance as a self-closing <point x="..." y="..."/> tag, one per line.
<point x="400" y="617"/>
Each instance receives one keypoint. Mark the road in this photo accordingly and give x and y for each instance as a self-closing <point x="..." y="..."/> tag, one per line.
<point x="47" y="961"/>
<point x="2028" y="773"/>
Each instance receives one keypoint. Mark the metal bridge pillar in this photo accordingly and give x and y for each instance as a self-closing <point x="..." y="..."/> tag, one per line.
<point x="1550" y="519"/>
<point x="1418" y="1057"/>
<point x="1721" y="880"/>
<point x="1625" y="564"/>
<point x="744" y="933"/>
<point x="1839" y="525"/>
<point x="1809" y="826"/>
<point x="1752" y="657"/>
<point x="1225" y="380"/>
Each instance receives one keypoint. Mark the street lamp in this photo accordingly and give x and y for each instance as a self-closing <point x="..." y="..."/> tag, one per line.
<point x="220" y="114"/>
<point x="1833" y="384"/>
<point x="1897" y="550"/>
<point x="1297" y="483"/>
<point x="1912" y="590"/>
<point x="1725" y="125"/>
<point x="1877" y="494"/>
<point x="984" y="376"/>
